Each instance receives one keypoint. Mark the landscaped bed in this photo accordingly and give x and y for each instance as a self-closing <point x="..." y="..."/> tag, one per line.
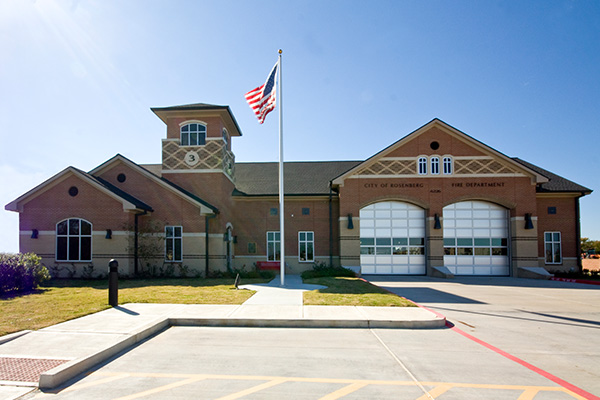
<point x="348" y="291"/>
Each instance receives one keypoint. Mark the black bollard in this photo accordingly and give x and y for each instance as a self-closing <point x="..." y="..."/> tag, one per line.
<point x="113" y="283"/>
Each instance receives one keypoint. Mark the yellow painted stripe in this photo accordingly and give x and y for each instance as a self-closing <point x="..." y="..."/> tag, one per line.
<point x="253" y="389"/>
<point x="437" y="385"/>
<point x="161" y="388"/>
<point x="529" y="394"/>
<point x="95" y="383"/>
<point x="346" y="390"/>
<point x="436" y="391"/>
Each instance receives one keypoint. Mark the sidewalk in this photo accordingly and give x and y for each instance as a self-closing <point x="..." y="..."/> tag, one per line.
<point x="60" y="352"/>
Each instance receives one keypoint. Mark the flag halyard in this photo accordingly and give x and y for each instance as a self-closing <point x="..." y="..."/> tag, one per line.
<point x="262" y="100"/>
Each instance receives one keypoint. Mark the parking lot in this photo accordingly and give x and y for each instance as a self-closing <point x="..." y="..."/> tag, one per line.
<point x="293" y="363"/>
<point x="507" y="339"/>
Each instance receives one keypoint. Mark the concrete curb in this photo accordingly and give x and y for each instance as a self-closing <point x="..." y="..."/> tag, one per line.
<point x="59" y="375"/>
<point x="12" y="336"/>
<point x="62" y="373"/>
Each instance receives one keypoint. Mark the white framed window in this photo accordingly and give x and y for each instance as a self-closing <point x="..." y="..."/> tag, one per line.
<point x="173" y="243"/>
<point x="74" y="240"/>
<point x="552" y="248"/>
<point x="422" y="165"/>
<point x="306" y="246"/>
<point x="447" y="165"/>
<point x="273" y="246"/>
<point x="435" y="165"/>
<point x="193" y="134"/>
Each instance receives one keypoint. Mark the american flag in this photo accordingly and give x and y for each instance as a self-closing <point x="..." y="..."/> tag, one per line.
<point x="262" y="99"/>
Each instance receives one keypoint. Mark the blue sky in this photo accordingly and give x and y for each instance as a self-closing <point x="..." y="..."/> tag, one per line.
<point x="78" y="79"/>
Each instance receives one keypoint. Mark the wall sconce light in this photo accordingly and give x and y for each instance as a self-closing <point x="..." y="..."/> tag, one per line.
<point x="436" y="223"/>
<point x="528" y="222"/>
<point x="34" y="233"/>
<point x="350" y="224"/>
<point x="235" y="239"/>
<point x="108" y="234"/>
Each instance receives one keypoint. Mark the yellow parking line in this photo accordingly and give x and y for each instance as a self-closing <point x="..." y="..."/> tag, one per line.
<point x="353" y="387"/>
<point x="161" y="388"/>
<point x="436" y="391"/>
<point x="253" y="389"/>
<point x="529" y="394"/>
<point x="94" y="383"/>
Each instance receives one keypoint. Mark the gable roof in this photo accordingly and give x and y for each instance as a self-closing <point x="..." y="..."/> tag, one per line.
<point x="129" y="202"/>
<point x="539" y="178"/>
<point x="205" y="207"/>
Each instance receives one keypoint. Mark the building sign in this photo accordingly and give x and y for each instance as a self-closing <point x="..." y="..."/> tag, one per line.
<point x="417" y="185"/>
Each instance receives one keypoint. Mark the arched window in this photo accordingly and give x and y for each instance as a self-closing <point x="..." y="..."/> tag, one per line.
<point x="435" y="165"/>
<point x="193" y="134"/>
<point x="447" y="165"/>
<point x="422" y="165"/>
<point x="74" y="240"/>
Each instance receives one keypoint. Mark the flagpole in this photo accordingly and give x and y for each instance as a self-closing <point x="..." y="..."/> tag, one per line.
<point x="281" y="191"/>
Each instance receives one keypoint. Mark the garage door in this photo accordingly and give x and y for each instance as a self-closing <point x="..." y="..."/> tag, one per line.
<point x="476" y="238"/>
<point x="392" y="239"/>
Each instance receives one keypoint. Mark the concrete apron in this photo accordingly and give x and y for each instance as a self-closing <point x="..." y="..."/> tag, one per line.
<point x="93" y="339"/>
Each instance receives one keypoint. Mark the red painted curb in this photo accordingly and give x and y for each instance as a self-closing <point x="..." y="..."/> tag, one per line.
<point x="525" y="364"/>
<point x="575" y="280"/>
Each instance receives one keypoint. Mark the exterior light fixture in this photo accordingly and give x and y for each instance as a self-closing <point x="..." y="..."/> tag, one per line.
<point x="350" y="224"/>
<point x="436" y="223"/>
<point x="34" y="233"/>
<point x="528" y="222"/>
<point x="108" y="234"/>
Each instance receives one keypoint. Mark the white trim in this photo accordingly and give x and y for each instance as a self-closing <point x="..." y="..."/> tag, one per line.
<point x="173" y="238"/>
<point x="472" y="142"/>
<point x="306" y="242"/>
<point x="192" y="121"/>
<point x="203" y="208"/>
<point x="454" y="175"/>
<point x="68" y="236"/>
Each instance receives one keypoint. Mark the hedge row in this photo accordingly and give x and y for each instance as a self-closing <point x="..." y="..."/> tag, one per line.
<point x="21" y="272"/>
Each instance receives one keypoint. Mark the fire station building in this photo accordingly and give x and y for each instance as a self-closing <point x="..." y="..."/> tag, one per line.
<point x="436" y="202"/>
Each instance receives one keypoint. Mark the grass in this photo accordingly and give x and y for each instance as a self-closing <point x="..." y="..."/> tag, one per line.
<point x="62" y="300"/>
<point x="345" y="291"/>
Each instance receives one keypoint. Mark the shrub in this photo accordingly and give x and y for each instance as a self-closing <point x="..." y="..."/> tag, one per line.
<point x="21" y="272"/>
<point x="321" y="270"/>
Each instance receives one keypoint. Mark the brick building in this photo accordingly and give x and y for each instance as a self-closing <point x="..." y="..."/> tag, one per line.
<point x="436" y="202"/>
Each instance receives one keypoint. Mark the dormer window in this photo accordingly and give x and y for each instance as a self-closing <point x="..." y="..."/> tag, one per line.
<point x="193" y="135"/>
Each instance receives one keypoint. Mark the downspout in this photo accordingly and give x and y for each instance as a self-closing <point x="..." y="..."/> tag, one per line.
<point x="135" y="242"/>
<point x="578" y="234"/>
<point x="206" y="225"/>
<point x="330" y="225"/>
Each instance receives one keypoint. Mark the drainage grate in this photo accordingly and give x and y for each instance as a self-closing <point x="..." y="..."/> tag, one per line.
<point x="25" y="369"/>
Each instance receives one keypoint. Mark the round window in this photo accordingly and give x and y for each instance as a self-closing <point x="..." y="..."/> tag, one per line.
<point x="121" y="178"/>
<point x="73" y="191"/>
<point x="434" y="145"/>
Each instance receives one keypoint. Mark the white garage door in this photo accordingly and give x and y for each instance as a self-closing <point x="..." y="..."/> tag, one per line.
<point x="392" y="239"/>
<point x="476" y="238"/>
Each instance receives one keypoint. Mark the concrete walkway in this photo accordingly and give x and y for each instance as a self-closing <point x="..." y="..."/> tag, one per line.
<point x="60" y="352"/>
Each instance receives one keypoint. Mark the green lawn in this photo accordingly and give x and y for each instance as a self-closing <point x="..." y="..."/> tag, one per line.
<point x="62" y="300"/>
<point x="351" y="292"/>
